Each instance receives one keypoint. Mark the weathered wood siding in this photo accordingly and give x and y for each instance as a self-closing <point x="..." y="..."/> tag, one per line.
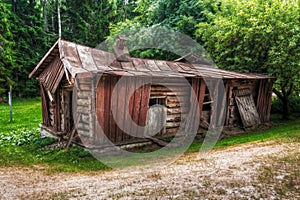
<point x="106" y="107"/>
<point x="45" y="107"/>
<point x="246" y="107"/>
<point x="233" y="116"/>
<point x="176" y="92"/>
<point x="264" y="99"/>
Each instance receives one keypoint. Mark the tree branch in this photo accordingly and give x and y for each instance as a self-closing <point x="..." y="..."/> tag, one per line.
<point x="278" y="94"/>
<point x="291" y="89"/>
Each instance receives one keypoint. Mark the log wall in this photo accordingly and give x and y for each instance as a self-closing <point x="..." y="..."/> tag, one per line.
<point x="175" y="93"/>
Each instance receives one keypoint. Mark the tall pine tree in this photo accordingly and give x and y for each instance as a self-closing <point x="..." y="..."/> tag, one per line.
<point x="30" y="43"/>
<point x="6" y="49"/>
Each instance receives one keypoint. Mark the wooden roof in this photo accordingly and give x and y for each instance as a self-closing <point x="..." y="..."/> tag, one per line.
<point x="81" y="59"/>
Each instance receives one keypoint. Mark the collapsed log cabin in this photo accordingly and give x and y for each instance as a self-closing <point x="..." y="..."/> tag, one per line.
<point x="96" y="94"/>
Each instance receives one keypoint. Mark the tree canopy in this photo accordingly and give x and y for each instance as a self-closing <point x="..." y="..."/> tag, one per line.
<point x="257" y="36"/>
<point x="7" y="62"/>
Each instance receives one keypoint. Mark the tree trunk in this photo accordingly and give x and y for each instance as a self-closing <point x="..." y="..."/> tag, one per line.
<point x="45" y="14"/>
<point x="14" y="5"/>
<point x="285" y="106"/>
<point x="284" y="97"/>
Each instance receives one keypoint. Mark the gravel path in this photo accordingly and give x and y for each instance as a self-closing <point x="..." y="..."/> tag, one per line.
<point x="231" y="172"/>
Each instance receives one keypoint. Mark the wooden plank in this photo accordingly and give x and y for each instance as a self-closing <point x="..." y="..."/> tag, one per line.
<point x="223" y="104"/>
<point x="178" y="99"/>
<point x="114" y="108"/>
<point x="190" y="126"/>
<point x="121" y="92"/>
<point x="140" y="65"/>
<point x="201" y="96"/>
<point x="101" y="63"/>
<point x="70" y="53"/>
<point x="229" y="99"/>
<point x="70" y="138"/>
<point x="169" y="80"/>
<point x="180" y="110"/>
<point x="247" y="109"/>
<point x="57" y="111"/>
<point x="137" y="106"/>
<point x="158" y="142"/>
<point x="107" y="106"/>
<point x="173" y="105"/>
<point x="175" y="67"/>
<point x="260" y="100"/>
<point x="186" y="67"/>
<point x="132" y="104"/>
<point x="127" y="66"/>
<point x="144" y="102"/>
<point x="173" y="124"/>
<point x="163" y="65"/>
<point x="151" y="65"/>
<point x="86" y="58"/>
<point x="174" y="118"/>
<point x="213" y="89"/>
<point x="115" y="65"/>
<point x="100" y="107"/>
<point x="128" y="109"/>
<point x="174" y="93"/>
<point x="45" y="112"/>
<point x="156" y="88"/>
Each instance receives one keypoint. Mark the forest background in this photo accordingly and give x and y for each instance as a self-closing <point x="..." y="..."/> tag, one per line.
<point x="257" y="36"/>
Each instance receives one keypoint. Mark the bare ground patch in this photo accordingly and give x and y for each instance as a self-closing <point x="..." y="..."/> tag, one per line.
<point x="267" y="170"/>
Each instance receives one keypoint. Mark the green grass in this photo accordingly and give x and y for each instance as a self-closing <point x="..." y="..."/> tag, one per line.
<point x="21" y="144"/>
<point x="286" y="131"/>
<point x="26" y="114"/>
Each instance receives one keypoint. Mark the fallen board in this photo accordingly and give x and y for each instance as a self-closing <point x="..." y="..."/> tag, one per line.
<point x="246" y="107"/>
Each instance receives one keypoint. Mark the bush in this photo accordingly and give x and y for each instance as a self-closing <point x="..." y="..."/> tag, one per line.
<point x="294" y="105"/>
<point x="19" y="137"/>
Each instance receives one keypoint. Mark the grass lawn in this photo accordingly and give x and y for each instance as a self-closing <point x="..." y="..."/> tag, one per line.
<point x="21" y="144"/>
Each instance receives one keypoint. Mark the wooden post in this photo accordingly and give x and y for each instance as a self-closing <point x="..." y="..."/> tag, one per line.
<point x="10" y="103"/>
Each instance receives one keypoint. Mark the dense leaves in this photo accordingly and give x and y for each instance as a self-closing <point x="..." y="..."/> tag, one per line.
<point x="19" y="137"/>
<point x="163" y="27"/>
<point x="7" y="62"/>
<point x="257" y="36"/>
<point x="247" y="35"/>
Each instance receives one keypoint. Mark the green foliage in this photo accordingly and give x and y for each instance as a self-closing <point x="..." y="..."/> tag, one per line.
<point x="24" y="146"/>
<point x="182" y="15"/>
<point x="7" y="61"/>
<point x="85" y="22"/>
<point x="155" y="26"/>
<point x="257" y="36"/>
<point x="19" y="137"/>
<point x="294" y="105"/>
<point x="31" y="43"/>
<point x="156" y="41"/>
<point x="282" y="131"/>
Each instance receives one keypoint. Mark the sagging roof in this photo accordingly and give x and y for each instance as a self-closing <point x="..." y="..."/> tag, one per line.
<point x="81" y="59"/>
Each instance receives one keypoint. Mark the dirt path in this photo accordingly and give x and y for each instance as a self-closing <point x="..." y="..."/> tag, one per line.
<point x="235" y="173"/>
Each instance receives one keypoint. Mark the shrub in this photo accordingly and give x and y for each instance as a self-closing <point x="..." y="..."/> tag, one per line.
<point x="294" y="105"/>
